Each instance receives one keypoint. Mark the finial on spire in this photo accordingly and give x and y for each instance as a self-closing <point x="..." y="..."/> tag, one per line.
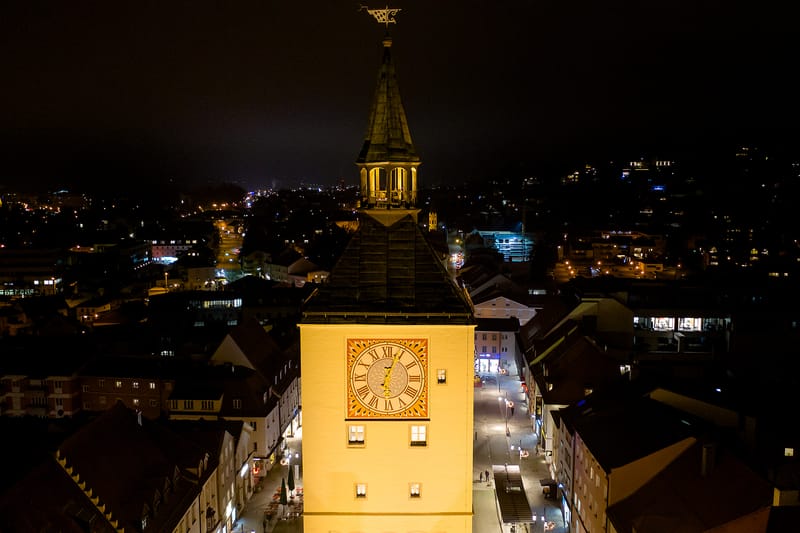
<point x="383" y="16"/>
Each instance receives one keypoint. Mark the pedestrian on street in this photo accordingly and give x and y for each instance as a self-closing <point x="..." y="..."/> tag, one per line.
<point x="486" y="473"/>
<point x="480" y="478"/>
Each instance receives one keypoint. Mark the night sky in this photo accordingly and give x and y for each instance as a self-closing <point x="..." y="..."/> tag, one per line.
<point x="275" y="93"/>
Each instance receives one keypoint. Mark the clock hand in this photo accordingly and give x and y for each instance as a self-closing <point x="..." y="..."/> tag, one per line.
<point x="387" y="379"/>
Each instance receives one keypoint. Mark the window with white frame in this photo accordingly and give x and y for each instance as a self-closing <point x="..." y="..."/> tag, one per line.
<point x="355" y="434"/>
<point x="361" y="490"/>
<point x="419" y="435"/>
<point x="663" y="323"/>
<point x="441" y="375"/>
<point x="413" y="490"/>
<point x="690" y="324"/>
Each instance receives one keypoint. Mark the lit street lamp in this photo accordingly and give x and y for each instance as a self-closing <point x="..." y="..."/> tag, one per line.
<point x="500" y="398"/>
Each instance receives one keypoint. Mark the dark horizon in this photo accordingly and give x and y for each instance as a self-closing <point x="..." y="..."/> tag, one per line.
<point x="99" y="93"/>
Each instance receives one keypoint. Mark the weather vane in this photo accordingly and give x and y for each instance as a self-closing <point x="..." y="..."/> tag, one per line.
<point x="383" y="16"/>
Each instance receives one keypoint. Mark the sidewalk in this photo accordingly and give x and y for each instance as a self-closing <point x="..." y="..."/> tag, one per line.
<point x="252" y="519"/>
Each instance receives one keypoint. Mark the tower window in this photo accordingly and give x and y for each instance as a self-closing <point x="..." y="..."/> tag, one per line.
<point x="441" y="375"/>
<point x="419" y="435"/>
<point x="361" y="490"/>
<point x="413" y="490"/>
<point x="355" y="435"/>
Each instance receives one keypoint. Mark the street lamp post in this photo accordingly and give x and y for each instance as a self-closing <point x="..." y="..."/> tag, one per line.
<point x="500" y="398"/>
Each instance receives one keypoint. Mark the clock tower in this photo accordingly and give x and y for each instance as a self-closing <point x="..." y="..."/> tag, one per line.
<point x="387" y="356"/>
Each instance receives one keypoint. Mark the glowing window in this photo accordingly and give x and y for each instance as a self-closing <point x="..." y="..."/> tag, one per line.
<point x="355" y="434"/>
<point x="419" y="435"/>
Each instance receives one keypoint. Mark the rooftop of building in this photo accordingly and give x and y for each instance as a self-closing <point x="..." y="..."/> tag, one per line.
<point x="389" y="274"/>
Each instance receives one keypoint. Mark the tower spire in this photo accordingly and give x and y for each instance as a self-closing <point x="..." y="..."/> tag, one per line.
<point x="388" y="160"/>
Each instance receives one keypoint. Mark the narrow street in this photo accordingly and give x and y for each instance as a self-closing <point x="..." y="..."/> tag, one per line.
<point x="500" y="432"/>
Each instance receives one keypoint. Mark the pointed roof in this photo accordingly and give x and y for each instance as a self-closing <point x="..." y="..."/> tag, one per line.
<point x="389" y="274"/>
<point x="388" y="137"/>
<point x="683" y="498"/>
<point x="126" y="464"/>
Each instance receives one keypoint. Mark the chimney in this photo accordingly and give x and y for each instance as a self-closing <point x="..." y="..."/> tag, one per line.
<point x="709" y="458"/>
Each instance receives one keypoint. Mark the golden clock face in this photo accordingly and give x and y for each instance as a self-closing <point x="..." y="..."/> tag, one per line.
<point x="387" y="378"/>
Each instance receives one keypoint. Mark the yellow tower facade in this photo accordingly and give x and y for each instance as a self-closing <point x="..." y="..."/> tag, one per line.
<point x="387" y="432"/>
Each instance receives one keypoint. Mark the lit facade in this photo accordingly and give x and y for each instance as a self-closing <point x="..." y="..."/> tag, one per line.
<point x="406" y="473"/>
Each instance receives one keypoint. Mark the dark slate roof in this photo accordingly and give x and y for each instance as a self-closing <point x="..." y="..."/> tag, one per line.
<point x="230" y="383"/>
<point x="389" y="274"/>
<point x="573" y="367"/>
<point x="258" y="346"/>
<point x="553" y="310"/>
<point x="681" y="498"/>
<point x="619" y="425"/>
<point x="207" y="434"/>
<point x="388" y="137"/>
<point x="124" y="463"/>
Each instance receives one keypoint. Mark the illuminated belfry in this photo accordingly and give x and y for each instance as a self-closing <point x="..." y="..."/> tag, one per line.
<point x="388" y="160"/>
